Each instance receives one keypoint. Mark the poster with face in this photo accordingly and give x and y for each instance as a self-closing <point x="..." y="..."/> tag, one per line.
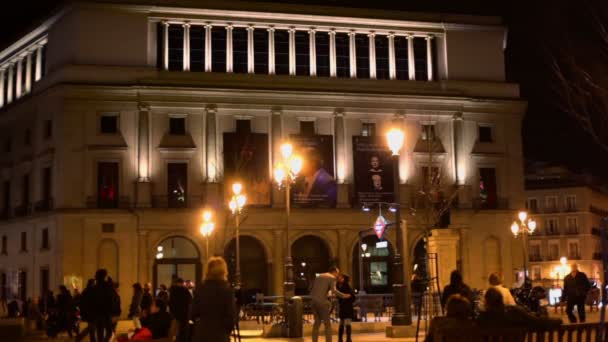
<point x="315" y="186"/>
<point x="246" y="161"/>
<point x="373" y="170"/>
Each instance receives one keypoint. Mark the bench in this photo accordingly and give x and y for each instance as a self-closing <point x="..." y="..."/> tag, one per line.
<point x="583" y="332"/>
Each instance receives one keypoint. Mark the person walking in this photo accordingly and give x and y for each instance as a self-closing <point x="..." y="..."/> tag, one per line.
<point x="116" y="308"/>
<point x="456" y="286"/>
<point x="84" y="302"/>
<point x="321" y="306"/>
<point x="65" y="311"/>
<point x="135" y="307"/>
<point x="179" y="304"/>
<point x="213" y="307"/>
<point x="576" y="286"/>
<point x="146" y="300"/>
<point x="163" y="294"/>
<point x="346" y="308"/>
<point x="102" y="296"/>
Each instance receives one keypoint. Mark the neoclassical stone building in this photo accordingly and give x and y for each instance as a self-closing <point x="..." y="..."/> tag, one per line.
<point x="121" y="123"/>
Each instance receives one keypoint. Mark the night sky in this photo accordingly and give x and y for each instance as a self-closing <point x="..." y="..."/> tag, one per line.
<point x="536" y="27"/>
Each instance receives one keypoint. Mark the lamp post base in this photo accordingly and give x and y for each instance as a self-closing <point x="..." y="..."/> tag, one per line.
<point x="400" y="331"/>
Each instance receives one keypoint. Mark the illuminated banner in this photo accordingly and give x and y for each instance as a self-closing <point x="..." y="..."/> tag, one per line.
<point x="246" y="161"/>
<point x="373" y="170"/>
<point x="315" y="186"/>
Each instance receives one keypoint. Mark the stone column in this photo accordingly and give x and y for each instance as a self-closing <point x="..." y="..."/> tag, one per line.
<point x="229" y="57"/>
<point x="165" y="47"/>
<point x="212" y="188"/>
<point x="271" y="51"/>
<point x="411" y="66"/>
<point x="332" y="53"/>
<point x="28" y="73"/>
<point x="429" y="57"/>
<point x="292" y="51"/>
<point x="343" y="252"/>
<point x="278" y="267"/>
<point x="352" y="53"/>
<point x="341" y="162"/>
<point x="460" y="157"/>
<point x="144" y="257"/>
<point x="18" y="81"/>
<point x="38" y="74"/>
<point x="313" y="52"/>
<point x="186" y="54"/>
<point x="276" y="136"/>
<point x="144" y="187"/>
<point x="250" y="51"/>
<point x="372" y="55"/>
<point x="444" y="242"/>
<point x="2" y="100"/>
<point x="392" y="70"/>
<point x="208" y="54"/>
<point x="9" y="86"/>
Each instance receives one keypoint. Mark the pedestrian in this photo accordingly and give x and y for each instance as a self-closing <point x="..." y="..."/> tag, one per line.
<point x="213" y="307"/>
<point x="135" y="307"/>
<point x="66" y="311"/>
<point x="103" y="297"/>
<point x="457" y="320"/>
<point x="179" y="304"/>
<point x="163" y="294"/>
<point x="146" y="300"/>
<point x="321" y="306"/>
<point x="159" y="320"/>
<point x="495" y="283"/>
<point x="456" y="286"/>
<point x="85" y="305"/>
<point x="576" y="286"/>
<point x="116" y="308"/>
<point x="346" y="308"/>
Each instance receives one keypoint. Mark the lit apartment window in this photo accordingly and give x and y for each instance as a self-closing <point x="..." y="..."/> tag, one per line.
<point x="553" y="251"/>
<point x="551" y="226"/>
<point x="177" y="126"/>
<point x="177" y="183"/>
<point x="428" y="132"/>
<point x="551" y="202"/>
<point x="573" y="250"/>
<point x="108" y="123"/>
<point x="485" y="134"/>
<point x="368" y="129"/>
<point x="536" y="273"/>
<point x="571" y="203"/>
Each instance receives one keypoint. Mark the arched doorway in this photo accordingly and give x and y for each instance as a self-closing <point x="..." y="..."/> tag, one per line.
<point x="310" y="257"/>
<point x="176" y="257"/>
<point x="108" y="258"/>
<point x="254" y="276"/>
<point x="376" y="259"/>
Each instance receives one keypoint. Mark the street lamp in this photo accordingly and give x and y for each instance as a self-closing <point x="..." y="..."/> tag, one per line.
<point x="524" y="226"/>
<point x="236" y="205"/>
<point x="285" y="173"/>
<point x="206" y="229"/>
<point x="402" y="314"/>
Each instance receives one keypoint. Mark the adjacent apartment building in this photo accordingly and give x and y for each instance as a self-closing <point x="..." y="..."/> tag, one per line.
<point x="120" y="123"/>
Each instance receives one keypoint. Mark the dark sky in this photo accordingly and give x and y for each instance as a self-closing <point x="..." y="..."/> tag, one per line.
<point x="535" y="26"/>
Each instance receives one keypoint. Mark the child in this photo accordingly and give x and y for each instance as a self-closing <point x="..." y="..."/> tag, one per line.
<point x="346" y="307"/>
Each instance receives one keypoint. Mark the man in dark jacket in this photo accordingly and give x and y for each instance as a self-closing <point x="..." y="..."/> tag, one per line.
<point x="159" y="320"/>
<point x="102" y="299"/>
<point x="179" y="304"/>
<point x="146" y="300"/>
<point x="576" y="286"/>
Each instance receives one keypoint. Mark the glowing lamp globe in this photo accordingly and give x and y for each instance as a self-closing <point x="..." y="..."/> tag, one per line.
<point x="295" y="164"/>
<point x="286" y="150"/>
<point x="522" y="216"/>
<point x="237" y="188"/>
<point x="394" y="138"/>
<point x="515" y="228"/>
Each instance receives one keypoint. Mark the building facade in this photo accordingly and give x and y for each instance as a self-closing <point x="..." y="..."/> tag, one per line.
<point x="568" y="209"/>
<point x="121" y="123"/>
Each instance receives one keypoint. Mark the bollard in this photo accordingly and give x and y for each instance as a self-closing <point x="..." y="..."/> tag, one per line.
<point x="296" y="317"/>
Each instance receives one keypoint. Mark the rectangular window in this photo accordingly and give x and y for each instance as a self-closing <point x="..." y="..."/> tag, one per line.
<point x="485" y="134"/>
<point x="571" y="203"/>
<point x="33" y="72"/>
<point x="176" y="47"/>
<point x="160" y="45"/>
<point x="108" y="124"/>
<point x="532" y="205"/>
<point x="307" y="128"/>
<point x="23" y="242"/>
<point x="553" y="251"/>
<point x="362" y="52"/>
<point x="342" y="55"/>
<point x="22" y="285"/>
<point x="43" y="62"/>
<point x="25" y="190"/>
<point x="6" y="199"/>
<point x="260" y="51"/>
<point x="535" y="252"/>
<point x="572" y="224"/>
<point x="45" y="239"/>
<point x="47" y="184"/>
<point x="239" y="50"/>
<point x="551" y="203"/>
<point x="536" y="273"/>
<point x="107" y="185"/>
<point x="573" y="250"/>
<point x="23" y="76"/>
<point x="243" y="126"/>
<point x="551" y="225"/>
<point x="27" y="137"/>
<point x="368" y="129"/>
<point x="48" y="129"/>
<point x="302" y="53"/>
<point x="428" y="132"/>
<point x="197" y="48"/>
<point x="177" y="126"/>
<point x="281" y="52"/>
<point x="177" y="183"/>
<point x="322" y="50"/>
<point x="218" y="49"/>
<point x="420" y="59"/>
<point x="44" y="280"/>
<point x="401" y="60"/>
<point x="4" y="245"/>
<point x="381" y="57"/>
<point x="487" y="188"/>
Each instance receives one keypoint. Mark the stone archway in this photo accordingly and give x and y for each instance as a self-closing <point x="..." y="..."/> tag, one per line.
<point x="254" y="265"/>
<point x="310" y="256"/>
<point x="176" y="257"/>
<point x="108" y="258"/>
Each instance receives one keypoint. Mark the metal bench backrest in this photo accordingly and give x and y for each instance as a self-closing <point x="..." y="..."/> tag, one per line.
<point x="585" y="332"/>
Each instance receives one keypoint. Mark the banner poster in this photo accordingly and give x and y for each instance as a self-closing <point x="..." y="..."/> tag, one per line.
<point x="315" y="186"/>
<point x="246" y="161"/>
<point x="373" y="169"/>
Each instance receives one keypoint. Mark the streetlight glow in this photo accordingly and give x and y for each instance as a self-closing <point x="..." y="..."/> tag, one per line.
<point x="532" y="225"/>
<point x="240" y="201"/>
<point x="394" y="138"/>
<point x="280" y="173"/>
<point x="207" y="215"/>
<point x="286" y="150"/>
<point x="295" y="164"/>
<point x="522" y="216"/>
<point x="237" y="188"/>
<point x="563" y="260"/>
<point x="515" y="228"/>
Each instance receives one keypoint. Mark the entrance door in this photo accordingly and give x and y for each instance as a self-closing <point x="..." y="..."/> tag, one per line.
<point x="177" y="257"/>
<point x="310" y="258"/>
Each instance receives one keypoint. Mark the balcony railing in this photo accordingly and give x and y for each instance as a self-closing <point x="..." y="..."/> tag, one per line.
<point x="552" y="232"/>
<point x="123" y="202"/>
<point x="44" y="205"/>
<point x="164" y="201"/>
<point x="574" y="256"/>
<point x="536" y="258"/>
<point x="484" y="204"/>
<point x="552" y="257"/>
<point x="570" y="209"/>
<point x="23" y="210"/>
<point x="572" y="231"/>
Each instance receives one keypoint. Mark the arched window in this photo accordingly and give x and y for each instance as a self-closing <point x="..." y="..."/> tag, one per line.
<point x="253" y="265"/>
<point x="310" y="258"/>
<point x="176" y="257"/>
<point x="108" y="258"/>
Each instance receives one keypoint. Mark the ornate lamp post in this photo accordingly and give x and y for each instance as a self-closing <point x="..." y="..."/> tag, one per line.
<point x="401" y="298"/>
<point x="236" y="205"/>
<point x="206" y="229"/>
<point x="524" y="226"/>
<point x="285" y="173"/>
